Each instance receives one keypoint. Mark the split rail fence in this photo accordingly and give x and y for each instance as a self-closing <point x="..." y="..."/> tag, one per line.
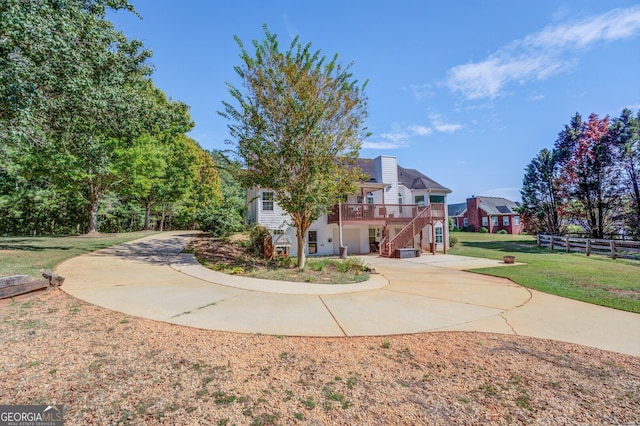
<point x="613" y="248"/>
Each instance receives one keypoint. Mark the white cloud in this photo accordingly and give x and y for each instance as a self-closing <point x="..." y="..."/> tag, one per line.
<point x="540" y="55"/>
<point x="420" y="130"/>
<point x="614" y="25"/>
<point x="441" y="126"/>
<point x="401" y="138"/>
<point x="396" y="137"/>
<point x="381" y="145"/>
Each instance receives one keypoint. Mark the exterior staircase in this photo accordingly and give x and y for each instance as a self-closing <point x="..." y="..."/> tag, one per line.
<point x="408" y="233"/>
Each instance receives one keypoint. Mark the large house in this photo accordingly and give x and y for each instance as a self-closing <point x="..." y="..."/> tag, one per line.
<point x="492" y="213"/>
<point x="393" y="209"/>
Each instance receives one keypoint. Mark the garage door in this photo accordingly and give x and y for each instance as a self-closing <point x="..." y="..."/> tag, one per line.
<point x="351" y="238"/>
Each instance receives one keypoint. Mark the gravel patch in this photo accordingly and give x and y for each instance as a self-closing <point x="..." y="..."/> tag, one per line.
<point x="109" y="368"/>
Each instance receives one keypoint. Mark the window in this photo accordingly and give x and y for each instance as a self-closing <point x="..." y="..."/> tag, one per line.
<point x="419" y="200"/>
<point x="370" y="198"/>
<point x="313" y="242"/>
<point x="494" y="220"/>
<point x="278" y="232"/>
<point x="436" y="199"/>
<point x="267" y="201"/>
<point x="359" y="199"/>
<point x="505" y="220"/>
<point x="516" y="220"/>
<point x="485" y="221"/>
<point x="438" y="235"/>
<point x="465" y="222"/>
<point x="400" y="202"/>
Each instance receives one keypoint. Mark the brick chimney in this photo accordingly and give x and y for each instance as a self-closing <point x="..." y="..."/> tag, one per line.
<point x="473" y="212"/>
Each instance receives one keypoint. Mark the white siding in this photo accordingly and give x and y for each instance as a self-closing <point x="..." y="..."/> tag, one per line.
<point x="356" y="237"/>
<point x="271" y="219"/>
<point x="387" y="172"/>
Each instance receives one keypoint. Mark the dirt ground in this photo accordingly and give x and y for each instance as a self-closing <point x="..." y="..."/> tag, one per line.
<point x="230" y="256"/>
<point x="109" y="368"/>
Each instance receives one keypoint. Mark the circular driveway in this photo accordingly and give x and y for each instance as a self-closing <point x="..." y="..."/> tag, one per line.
<point x="150" y="278"/>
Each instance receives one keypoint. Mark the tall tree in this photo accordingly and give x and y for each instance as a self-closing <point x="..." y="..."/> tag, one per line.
<point x="144" y="164"/>
<point x="541" y="197"/>
<point x="51" y="55"/>
<point x="73" y="86"/>
<point x="587" y="154"/>
<point x="625" y="133"/>
<point x="297" y="127"/>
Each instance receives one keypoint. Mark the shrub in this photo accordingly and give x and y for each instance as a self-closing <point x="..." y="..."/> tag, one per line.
<point x="257" y="235"/>
<point x="502" y="231"/>
<point x="574" y="230"/>
<point x="351" y="264"/>
<point x="317" y="265"/>
<point x="483" y="230"/>
<point x="453" y="241"/>
<point x="469" y="228"/>
<point x="220" y="221"/>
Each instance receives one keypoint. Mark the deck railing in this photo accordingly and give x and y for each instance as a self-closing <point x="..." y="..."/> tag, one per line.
<point x="375" y="212"/>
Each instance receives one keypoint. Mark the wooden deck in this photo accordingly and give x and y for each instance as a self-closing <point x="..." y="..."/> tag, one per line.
<point x="381" y="213"/>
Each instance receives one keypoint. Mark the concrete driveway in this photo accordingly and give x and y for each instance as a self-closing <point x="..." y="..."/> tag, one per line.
<point x="150" y="278"/>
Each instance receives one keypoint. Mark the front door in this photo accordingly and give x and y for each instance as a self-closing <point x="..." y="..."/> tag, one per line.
<point x="312" y="242"/>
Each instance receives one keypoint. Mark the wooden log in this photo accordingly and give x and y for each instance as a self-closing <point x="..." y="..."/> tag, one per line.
<point x="54" y="280"/>
<point x="24" y="287"/>
<point x="12" y="280"/>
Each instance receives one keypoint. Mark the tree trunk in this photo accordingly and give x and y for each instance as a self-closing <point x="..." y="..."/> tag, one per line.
<point x="302" y="242"/>
<point x="162" y="214"/>
<point x="635" y="195"/>
<point x="93" y="212"/>
<point x="147" y="215"/>
<point x="93" y="209"/>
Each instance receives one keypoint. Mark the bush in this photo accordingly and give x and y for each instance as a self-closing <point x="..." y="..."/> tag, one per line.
<point x="574" y="230"/>
<point x="502" y="231"/>
<point x="219" y="221"/>
<point x="483" y="230"/>
<point x="257" y="235"/>
<point x="453" y="241"/>
<point x="351" y="264"/>
<point x="469" y="228"/>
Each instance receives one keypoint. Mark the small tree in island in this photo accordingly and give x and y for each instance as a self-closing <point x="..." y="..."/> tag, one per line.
<point x="298" y="128"/>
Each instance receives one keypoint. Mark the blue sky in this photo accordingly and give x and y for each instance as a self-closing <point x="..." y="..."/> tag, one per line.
<point x="467" y="92"/>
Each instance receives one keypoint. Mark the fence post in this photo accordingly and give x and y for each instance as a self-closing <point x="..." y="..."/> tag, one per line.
<point x="551" y="237"/>
<point x="566" y="243"/>
<point x="538" y="240"/>
<point x="613" y="249"/>
<point x="588" y="249"/>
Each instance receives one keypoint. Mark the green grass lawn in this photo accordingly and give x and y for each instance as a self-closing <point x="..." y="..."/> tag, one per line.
<point x="595" y="279"/>
<point x="29" y="255"/>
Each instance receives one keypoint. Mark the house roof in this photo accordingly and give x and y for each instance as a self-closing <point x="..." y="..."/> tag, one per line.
<point x="498" y="206"/>
<point x="457" y="209"/>
<point x="411" y="178"/>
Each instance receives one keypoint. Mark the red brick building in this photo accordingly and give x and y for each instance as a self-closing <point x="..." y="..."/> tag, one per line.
<point x="492" y="213"/>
